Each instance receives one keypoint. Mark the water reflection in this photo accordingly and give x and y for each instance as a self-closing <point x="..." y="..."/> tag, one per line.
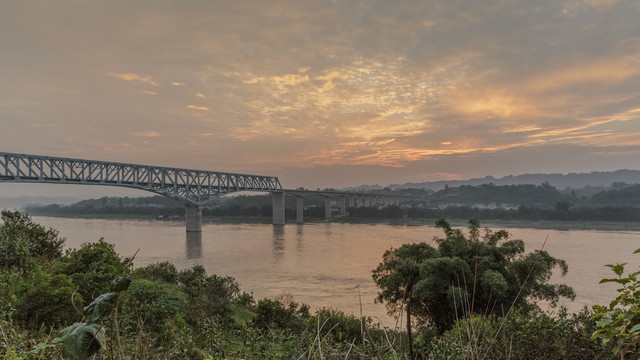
<point x="194" y="245"/>
<point x="278" y="239"/>
<point x="300" y="236"/>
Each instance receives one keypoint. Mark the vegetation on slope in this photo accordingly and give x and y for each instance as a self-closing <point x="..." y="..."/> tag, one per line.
<point x="472" y="297"/>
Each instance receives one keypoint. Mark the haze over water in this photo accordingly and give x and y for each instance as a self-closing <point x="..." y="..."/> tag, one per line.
<point x="328" y="264"/>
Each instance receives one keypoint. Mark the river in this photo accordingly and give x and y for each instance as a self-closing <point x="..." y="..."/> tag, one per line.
<point x="329" y="264"/>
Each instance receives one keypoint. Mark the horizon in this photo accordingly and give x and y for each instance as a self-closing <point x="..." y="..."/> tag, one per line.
<point x="73" y="192"/>
<point x="326" y="94"/>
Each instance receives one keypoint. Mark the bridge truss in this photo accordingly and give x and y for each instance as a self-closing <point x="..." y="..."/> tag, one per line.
<point x="194" y="187"/>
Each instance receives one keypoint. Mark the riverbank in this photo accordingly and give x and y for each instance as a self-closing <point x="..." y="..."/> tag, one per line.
<point x="491" y="223"/>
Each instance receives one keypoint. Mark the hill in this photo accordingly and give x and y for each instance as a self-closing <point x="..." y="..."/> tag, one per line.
<point x="559" y="181"/>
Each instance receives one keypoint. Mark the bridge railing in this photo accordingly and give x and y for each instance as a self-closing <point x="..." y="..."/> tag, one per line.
<point x="193" y="186"/>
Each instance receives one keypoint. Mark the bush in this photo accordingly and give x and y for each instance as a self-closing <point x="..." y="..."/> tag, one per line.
<point x="44" y="299"/>
<point x="162" y="271"/>
<point x="271" y="314"/>
<point x="152" y="306"/>
<point x="92" y="267"/>
<point x="619" y="323"/>
<point x="21" y="239"/>
<point x="208" y="296"/>
<point x="519" y="336"/>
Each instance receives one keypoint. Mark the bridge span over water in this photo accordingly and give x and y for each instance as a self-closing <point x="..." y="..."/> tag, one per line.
<point x="194" y="188"/>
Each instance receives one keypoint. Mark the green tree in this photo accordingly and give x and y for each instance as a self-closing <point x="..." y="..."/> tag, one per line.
<point x="21" y="238"/>
<point x="208" y="295"/>
<point x="92" y="267"/>
<point x="484" y="273"/>
<point x="396" y="277"/>
<point x="39" y="298"/>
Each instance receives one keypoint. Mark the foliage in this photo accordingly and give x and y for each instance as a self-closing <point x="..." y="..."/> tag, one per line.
<point x="93" y="267"/>
<point x="151" y="305"/>
<point x="44" y="298"/>
<point x="21" y="239"/>
<point x="179" y="314"/>
<point x="480" y="273"/>
<point x="538" y="336"/>
<point x="162" y="271"/>
<point x="397" y="277"/>
<point x="208" y="295"/>
<point x="271" y="314"/>
<point x="544" y="194"/>
<point x="84" y="339"/>
<point x="619" y="323"/>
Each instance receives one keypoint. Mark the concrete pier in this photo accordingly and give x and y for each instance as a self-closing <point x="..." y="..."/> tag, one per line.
<point x="343" y="205"/>
<point x="193" y="218"/>
<point x="277" y="200"/>
<point x="327" y="208"/>
<point x="299" y="209"/>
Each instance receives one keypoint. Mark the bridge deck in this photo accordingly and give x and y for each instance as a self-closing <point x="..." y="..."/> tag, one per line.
<point x="191" y="186"/>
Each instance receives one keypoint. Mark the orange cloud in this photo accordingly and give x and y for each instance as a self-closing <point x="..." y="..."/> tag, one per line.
<point x="601" y="71"/>
<point x="196" y="107"/>
<point x="150" y="133"/>
<point x="134" y="77"/>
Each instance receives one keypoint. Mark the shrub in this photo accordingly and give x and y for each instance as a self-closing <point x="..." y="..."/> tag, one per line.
<point x="21" y="239"/>
<point x="619" y="323"/>
<point x="92" y="267"/>
<point x="162" y="271"/>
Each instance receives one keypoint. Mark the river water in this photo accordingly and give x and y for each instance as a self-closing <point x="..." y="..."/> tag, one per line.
<point x="330" y="264"/>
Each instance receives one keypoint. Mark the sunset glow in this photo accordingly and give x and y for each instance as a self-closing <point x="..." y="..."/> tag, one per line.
<point x="381" y="92"/>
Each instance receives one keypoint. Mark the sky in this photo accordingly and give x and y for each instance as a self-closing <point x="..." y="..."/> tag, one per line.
<point x="326" y="93"/>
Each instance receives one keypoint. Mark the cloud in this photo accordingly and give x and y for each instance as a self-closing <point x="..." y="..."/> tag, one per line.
<point x="196" y="107"/>
<point x="150" y="133"/>
<point x="134" y="77"/>
<point x="321" y="83"/>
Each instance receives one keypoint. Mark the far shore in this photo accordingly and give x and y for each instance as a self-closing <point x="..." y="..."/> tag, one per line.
<point x="490" y="223"/>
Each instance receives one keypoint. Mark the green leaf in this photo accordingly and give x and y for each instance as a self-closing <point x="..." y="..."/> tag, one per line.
<point x="100" y="307"/>
<point x="81" y="340"/>
<point x="619" y="281"/>
<point x="619" y="269"/>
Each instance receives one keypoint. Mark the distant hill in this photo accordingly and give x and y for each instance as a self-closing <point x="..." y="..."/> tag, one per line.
<point x="20" y="202"/>
<point x="559" y="181"/>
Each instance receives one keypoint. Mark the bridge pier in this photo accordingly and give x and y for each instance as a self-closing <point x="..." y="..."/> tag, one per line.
<point x="343" y="205"/>
<point x="327" y="207"/>
<point x="277" y="201"/>
<point x="193" y="218"/>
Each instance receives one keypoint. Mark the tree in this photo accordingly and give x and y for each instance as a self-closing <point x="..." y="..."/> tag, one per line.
<point x="396" y="277"/>
<point x="484" y="273"/>
<point x="21" y="238"/>
<point x="92" y="267"/>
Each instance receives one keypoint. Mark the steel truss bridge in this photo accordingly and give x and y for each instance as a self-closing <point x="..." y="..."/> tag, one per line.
<point x="193" y="187"/>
